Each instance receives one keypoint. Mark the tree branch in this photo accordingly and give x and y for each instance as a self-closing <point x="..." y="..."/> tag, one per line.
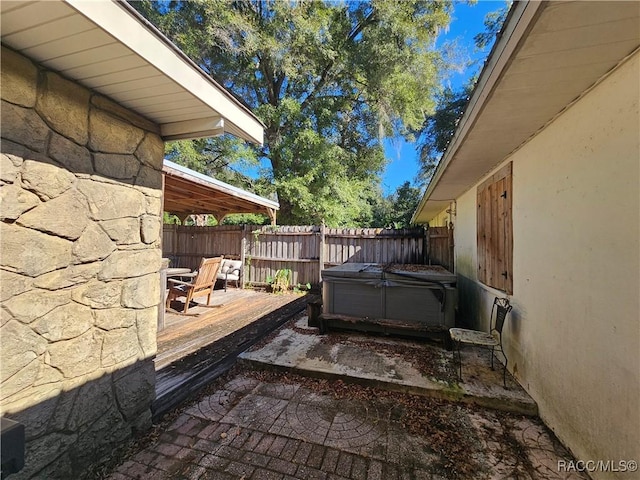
<point x="357" y="29"/>
<point x="370" y="19"/>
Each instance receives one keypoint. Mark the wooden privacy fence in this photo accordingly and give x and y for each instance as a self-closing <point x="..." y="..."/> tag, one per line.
<point x="305" y="250"/>
<point x="440" y="246"/>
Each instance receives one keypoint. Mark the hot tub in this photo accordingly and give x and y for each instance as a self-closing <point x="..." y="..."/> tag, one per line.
<point x="406" y="299"/>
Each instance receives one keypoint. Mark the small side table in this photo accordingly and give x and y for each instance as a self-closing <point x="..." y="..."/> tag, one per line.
<point x="166" y="273"/>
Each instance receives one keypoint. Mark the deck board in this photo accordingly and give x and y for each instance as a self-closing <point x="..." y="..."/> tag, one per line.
<point x="194" y="350"/>
<point x="184" y="335"/>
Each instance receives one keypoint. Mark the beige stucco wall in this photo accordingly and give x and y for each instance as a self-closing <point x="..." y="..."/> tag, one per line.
<point x="81" y="210"/>
<point x="574" y="339"/>
<point x="443" y="218"/>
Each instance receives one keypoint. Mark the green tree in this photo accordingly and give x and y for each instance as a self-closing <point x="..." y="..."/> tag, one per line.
<point x="493" y="22"/>
<point x="405" y="203"/>
<point x="395" y="210"/>
<point x="439" y="128"/>
<point x="225" y="158"/>
<point x="330" y="80"/>
<point x="246" y="219"/>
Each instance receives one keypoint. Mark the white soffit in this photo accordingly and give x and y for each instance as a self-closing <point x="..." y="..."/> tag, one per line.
<point x="550" y="53"/>
<point x="108" y="47"/>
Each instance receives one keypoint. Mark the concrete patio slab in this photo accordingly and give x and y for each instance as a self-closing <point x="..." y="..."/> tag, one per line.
<point x="408" y="366"/>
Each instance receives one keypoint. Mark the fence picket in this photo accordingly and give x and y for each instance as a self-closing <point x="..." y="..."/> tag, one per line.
<point x="303" y="249"/>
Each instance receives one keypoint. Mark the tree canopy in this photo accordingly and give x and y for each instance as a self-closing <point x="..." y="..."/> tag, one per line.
<point x="330" y="80"/>
<point x="395" y="210"/>
<point x="438" y="129"/>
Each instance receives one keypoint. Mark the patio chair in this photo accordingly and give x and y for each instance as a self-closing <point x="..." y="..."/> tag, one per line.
<point x="230" y="270"/>
<point x="491" y="340"/>
<point x="202" y="283"/>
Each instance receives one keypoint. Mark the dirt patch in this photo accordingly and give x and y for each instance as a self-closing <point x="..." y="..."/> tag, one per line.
<point x="428" y="359"/>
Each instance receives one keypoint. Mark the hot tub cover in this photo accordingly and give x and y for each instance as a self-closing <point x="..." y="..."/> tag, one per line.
<point x="429" y="273"/>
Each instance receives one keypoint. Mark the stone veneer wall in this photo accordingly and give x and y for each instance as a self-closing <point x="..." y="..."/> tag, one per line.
<point x="81" y="206"/>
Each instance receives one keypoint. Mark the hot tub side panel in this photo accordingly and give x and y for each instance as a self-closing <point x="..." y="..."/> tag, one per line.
<point x="420" y="304"/>
<point x="404" y="302"/>
<point x="351" y="297"/>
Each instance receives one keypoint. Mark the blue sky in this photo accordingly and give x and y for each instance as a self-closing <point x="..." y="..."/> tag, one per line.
<point x="467" y="21"/>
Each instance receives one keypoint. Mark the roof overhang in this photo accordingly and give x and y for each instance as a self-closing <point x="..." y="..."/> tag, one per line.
<point x="110" y="48"/>
<point x="548" y="55"/>
<point x="189" y="192"/>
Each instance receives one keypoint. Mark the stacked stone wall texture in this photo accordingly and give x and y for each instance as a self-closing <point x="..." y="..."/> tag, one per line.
<point x="81" y="211"/>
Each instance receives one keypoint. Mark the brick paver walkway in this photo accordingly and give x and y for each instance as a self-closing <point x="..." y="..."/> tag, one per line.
<point x="253" y="430"/>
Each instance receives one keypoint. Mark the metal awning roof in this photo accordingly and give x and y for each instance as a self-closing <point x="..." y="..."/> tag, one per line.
<point x="110" y="48"/>
<point x="189" y="192"/>
<point x="549" y="54"/>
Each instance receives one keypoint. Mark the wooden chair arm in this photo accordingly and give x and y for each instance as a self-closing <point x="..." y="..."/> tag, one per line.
<point x="173" y="280"/>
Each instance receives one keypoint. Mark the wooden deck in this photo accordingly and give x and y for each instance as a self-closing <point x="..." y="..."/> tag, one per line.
<point x="193" y="350"/>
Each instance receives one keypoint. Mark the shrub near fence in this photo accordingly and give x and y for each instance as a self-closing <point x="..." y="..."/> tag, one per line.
<point x="306" y="250"/>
